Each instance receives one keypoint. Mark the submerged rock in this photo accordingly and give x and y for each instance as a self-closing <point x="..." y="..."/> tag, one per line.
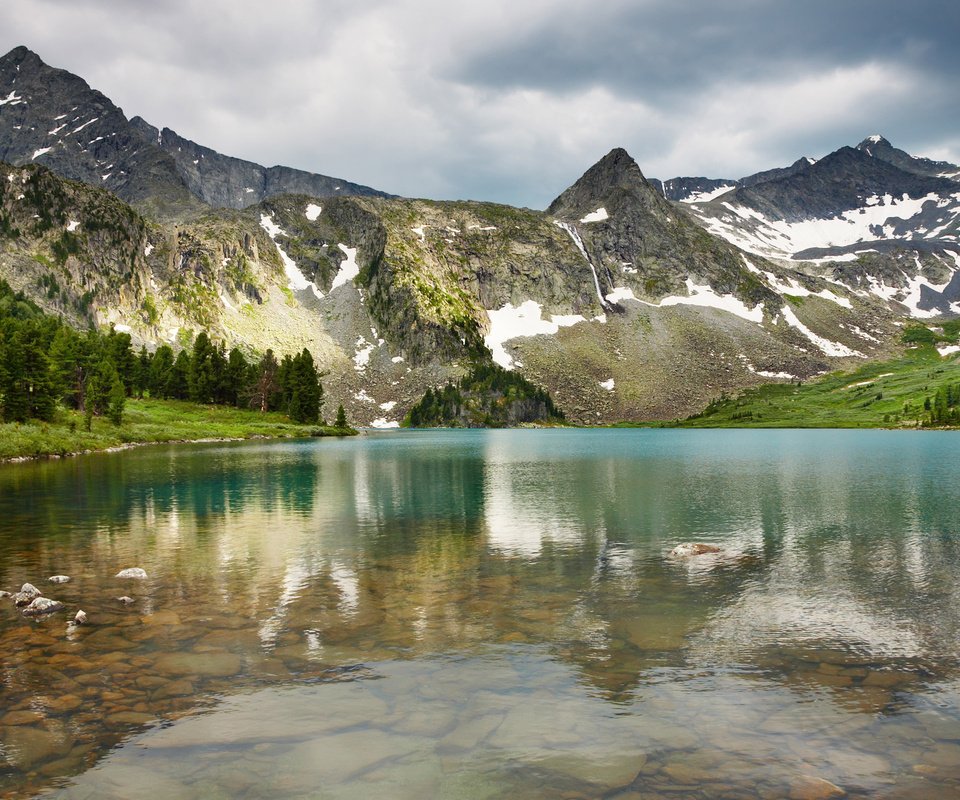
<point x="4" y="594"/>
<point x="58" y="578"/>
<point x="132" y="572"/>
<point x="811" y="788"/>
<point x="694" y="549"/>
<point x="127" y="601"/>
<point x="27" y="594"/>
<point x="42" y="605"/>
<point x="81" y="617"/>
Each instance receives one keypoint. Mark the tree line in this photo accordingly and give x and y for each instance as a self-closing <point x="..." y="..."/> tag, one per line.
<point x="488" y="396"/>
<point x="44" y="362"/>
<point x="944" y="407"/>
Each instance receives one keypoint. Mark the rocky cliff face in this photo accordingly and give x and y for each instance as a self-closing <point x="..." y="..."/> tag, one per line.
<point x="51" y="117"/>
<point x="227" y="182"/>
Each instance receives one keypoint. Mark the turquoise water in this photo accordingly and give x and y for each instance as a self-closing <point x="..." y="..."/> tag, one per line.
<point x="489" y="614"/>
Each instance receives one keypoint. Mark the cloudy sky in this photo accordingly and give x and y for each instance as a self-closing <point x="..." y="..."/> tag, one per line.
<point x="511" y="100"/>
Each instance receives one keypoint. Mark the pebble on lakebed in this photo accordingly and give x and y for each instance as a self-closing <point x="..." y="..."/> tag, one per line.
<point x="42" y="605"/>
<point x="27" y="594"/>
<point x="132" y="572"/>
<point x="81" y="617"/>
<point x="694" y="549"/>
<point x="127" y="601"/>
<point x="58" y="578"/>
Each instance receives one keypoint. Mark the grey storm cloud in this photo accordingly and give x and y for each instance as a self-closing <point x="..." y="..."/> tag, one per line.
<point x="512" y="101"/>
<point x="665" y="50"/>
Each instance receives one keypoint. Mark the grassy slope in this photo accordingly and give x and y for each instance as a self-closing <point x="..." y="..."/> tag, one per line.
<point x="148" y="421"/>
<point x="866" y="398"/>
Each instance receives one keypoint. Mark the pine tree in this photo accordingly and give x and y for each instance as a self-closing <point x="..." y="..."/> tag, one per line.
<point x="341" y="421"/>
<point x="98" y="386"/>
<point x="142" y="376"/>
<point x="178" y="385"/>
<point x="306" y="394"/>
<point x="236" y="377"/>
<point x="118" y="399"/>
<point x="69" y="366"/>
<point x="201" y="376"/>
<point x="160" y="367"/>
<point x="118" y="348"/>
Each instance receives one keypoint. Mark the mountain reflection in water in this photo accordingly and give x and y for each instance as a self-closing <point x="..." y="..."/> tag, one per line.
<point x="481" y="613"/>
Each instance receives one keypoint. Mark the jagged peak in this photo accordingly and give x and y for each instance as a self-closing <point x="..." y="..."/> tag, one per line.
<point x="873" y="141"/>
<point x="22" y="55"/>
<point x="616" y="165"/>
<point x="615" y="171"/>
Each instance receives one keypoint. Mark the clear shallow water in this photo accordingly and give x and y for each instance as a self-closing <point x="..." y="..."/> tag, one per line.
<point x="484" y="614"/>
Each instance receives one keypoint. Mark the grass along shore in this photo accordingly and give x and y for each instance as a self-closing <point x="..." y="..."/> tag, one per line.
<point x="148" y="422"/>
<point x="881" y="394"/>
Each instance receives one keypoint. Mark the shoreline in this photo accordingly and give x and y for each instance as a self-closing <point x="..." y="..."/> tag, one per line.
<point x="149" y="422"/>
<point x="321" y="434"/>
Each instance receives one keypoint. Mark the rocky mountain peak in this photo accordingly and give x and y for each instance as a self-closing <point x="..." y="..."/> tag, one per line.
<point x="614" y="179"/>
<point x="872" y="142"/>
<point x="21" y="55"/>
<point x="881" y="149"/>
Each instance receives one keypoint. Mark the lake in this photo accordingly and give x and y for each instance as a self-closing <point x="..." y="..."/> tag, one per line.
<point x="488" y="614"/>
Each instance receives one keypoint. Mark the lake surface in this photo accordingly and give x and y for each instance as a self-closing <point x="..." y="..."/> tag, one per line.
<point x="487" y="614"/>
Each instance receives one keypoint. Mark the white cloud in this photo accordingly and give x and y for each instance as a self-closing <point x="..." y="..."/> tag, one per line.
<point x="374" y="92"/>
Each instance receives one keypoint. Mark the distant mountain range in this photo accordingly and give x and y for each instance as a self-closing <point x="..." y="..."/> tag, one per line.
<point x="626" y="298"/>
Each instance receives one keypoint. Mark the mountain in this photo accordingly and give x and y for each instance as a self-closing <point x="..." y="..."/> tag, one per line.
<point x="622" y="304"/>
<point x="878" y="147"/>
<point x="870" y="217"/>
<point x="51" y="117"/>
<point x="227" y="182"/>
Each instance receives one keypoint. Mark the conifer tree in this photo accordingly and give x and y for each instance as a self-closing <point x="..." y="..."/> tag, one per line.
<point x="118" y="399"/>
<point x="160" y="367"/>
<point x="201" y="376"/>
<point x="236" y="377"/>
<point x="306" y="393"/>
<point x="177" y="385"/>
<point x="69" y="366"/>
<point x="142" y="375"/>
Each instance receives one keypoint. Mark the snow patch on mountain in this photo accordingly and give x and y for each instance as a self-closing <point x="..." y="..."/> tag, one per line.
<point x="707" y="297"/>
<point x="348" y="267"/>
<point x="621" y="293"/>
<point x="792" y="287"/>
<point x="362" y="355"/>
<point x="874" y="221"/>
<point x="313" y="211"/>
<point x="596" y="216"/>
<point x="828" y="348"/>
<point x="514" y="322"/>
<point x="296" y="279"/>
<point x="706" y="197"/>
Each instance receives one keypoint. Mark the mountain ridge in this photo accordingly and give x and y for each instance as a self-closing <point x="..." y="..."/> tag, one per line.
<point x="47" y="109"/>
<point x="619" y="302"/>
